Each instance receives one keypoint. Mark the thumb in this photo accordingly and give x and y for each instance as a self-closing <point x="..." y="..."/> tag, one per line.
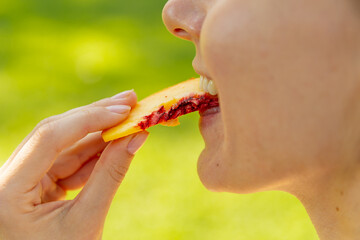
<point x="96" y="197"/>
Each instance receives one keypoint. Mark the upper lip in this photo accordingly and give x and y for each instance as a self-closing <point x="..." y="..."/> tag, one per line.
<point x="201" y="72"/>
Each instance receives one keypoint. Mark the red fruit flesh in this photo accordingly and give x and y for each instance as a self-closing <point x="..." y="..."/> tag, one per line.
<point x="184" y="106"/>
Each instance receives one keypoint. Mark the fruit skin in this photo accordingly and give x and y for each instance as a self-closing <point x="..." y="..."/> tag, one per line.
<point x="163" y="107"/>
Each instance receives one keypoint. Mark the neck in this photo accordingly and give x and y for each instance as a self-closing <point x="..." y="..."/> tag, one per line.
<point x="333" y="204"/>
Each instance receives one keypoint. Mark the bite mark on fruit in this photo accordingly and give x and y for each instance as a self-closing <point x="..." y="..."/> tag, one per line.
<point x="184" y="106"/>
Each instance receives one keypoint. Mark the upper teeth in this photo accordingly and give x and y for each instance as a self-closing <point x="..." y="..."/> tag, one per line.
<point x="207" y="85"/>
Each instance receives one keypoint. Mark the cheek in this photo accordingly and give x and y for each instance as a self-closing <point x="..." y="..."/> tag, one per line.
<point x="280" y="75"/>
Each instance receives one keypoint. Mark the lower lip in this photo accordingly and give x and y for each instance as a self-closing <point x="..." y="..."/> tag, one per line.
<point x="208" y="118"/>
<point x="210" y="111"/>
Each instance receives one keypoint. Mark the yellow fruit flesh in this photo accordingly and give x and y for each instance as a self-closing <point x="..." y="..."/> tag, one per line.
<point x="168" y="98"/>
<point x="171" y="123"/>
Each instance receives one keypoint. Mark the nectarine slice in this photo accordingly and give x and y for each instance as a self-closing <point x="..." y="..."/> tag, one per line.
<point x="164" y="108"/>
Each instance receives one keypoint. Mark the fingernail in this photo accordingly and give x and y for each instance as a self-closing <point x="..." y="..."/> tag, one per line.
<point x="119" y="109"/>
<point x="137" y="141"/>
<point x="123" y="94"/>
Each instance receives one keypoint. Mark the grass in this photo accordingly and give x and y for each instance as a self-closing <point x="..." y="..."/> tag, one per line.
<point x="57" y="55"/>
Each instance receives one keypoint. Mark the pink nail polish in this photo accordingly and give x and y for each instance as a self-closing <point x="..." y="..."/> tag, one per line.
<point x="137" y="141"/>
<point x="123" y="94"/>
<point x="120" y="109"/>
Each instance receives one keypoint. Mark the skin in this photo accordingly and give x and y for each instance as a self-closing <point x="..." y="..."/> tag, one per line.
<point x="48" y="162"/>
<point x="287" y="73"/>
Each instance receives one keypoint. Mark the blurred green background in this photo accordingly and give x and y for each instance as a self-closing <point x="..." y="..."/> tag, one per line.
<point x="58" y="55"/>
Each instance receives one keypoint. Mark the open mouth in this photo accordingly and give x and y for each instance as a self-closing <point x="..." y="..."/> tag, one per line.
<point x="209" y="87"/>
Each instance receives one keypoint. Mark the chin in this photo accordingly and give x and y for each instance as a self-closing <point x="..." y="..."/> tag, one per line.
<point x="225" y="167"/>
<point x="211" y="170"/>
<point x="222" y="170"/>
<point x="218" y="175"/>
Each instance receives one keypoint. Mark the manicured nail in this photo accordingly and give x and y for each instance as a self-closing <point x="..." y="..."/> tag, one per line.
<point x="123" y="94"/>
<point x="121" y="109"/>
<point x="137" y="141"/>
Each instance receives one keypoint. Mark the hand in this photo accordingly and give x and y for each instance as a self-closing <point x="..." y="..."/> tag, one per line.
<point x="66" y="152"/>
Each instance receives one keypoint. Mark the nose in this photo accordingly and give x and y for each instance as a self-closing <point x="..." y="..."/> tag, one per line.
<point x="184" y="18"/>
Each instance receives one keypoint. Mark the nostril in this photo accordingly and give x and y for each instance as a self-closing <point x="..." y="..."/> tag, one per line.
<point x="180" y="32"/>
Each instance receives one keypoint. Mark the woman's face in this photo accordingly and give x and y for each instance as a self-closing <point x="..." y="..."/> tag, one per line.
<point x="288" y="78"/>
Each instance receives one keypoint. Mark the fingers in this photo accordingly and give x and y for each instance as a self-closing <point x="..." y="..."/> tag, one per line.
<point x="50" y="190"/>
<point x="73" y="167"/>
<point x="74" y="157"/>
<point x="38" y="154"/>
<point x="52" y="136"/>
<point x="123" y="98"/>
<point x="79" y="178"/>
<point x="95" y="198"/>
<point x="127" y="97"/>
<point x="54" y="191"/>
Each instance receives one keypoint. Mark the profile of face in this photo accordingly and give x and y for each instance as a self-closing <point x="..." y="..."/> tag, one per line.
<point x="288" y="77"/>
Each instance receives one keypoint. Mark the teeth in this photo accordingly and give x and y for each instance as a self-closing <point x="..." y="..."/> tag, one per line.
<point x="201" y="82"/>
<point x="212" y="88"/>
<point x="205" y="84"/>
<point x="208" y="85"/>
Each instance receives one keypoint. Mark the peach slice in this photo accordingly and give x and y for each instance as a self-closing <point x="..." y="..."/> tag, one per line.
<point x="164" y="108"/>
